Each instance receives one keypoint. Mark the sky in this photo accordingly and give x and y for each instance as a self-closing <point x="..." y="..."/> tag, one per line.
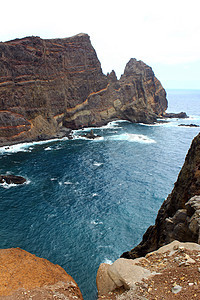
<point x="163" y="34"/>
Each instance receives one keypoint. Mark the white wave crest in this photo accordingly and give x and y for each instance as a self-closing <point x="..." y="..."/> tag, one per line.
<point x="96" y="222"/>
<point x="131" y="137"/>
<point x="108" y="261"/>
<point x="48" y="149"/>
<point x="97" y="164"/>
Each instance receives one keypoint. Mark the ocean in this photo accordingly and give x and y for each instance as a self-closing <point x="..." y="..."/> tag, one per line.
<point x="87" y="201"/>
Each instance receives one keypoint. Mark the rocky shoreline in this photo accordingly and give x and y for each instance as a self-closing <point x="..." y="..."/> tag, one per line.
<point x="178" y="219"/>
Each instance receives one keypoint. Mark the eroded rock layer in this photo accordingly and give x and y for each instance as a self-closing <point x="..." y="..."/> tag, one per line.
<point x="179" y="215"/>
<point x="48" y="84"/>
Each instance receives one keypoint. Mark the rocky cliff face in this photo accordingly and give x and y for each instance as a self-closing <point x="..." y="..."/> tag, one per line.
<point x="48" y="84"/>
<point x="179" y="215"/>
<point x="25" y="276"/>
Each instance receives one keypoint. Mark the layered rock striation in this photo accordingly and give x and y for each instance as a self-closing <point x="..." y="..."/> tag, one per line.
<point x="26" y="276"/>
<point x="179" y="215"/>
<point x="46" y="85"/>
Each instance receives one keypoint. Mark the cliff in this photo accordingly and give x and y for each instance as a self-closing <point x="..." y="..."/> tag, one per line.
<point x="46" y="85"/>
<point x="178" y="217"/>
<point x="166" y="262"/>
<point x="25" y="276"/>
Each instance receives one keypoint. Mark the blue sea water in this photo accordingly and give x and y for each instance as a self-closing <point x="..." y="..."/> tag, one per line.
<point x="88" y="201"/>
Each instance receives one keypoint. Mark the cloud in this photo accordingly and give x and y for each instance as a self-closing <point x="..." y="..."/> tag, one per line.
<point x="154" y="31"/>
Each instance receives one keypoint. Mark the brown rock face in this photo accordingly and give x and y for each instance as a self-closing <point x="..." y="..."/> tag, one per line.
<point x="48" y="84"/>
<point x="24" y="275"/>
<point x="178" y="217"/>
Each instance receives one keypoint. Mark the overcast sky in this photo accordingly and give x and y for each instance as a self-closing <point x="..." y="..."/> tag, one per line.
<point x="164" y="34"/>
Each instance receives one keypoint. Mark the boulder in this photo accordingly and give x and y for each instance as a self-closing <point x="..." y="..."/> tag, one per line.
<point x="91" y="135"/>
<point x="9" y="179"/>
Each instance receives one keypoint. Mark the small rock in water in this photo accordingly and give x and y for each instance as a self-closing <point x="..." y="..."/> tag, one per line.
<point x="176" y="289"/>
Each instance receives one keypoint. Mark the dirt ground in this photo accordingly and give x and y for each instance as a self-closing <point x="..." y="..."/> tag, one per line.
<point x="177" y="277"/>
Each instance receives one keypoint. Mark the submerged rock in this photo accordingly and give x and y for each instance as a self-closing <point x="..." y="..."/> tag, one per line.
<point x="26" y="276"/>
<point x="189" y="125"/>
<point x="9" y="179"/>
<point x="181" y="115"/>
<point x="91" y="135"/>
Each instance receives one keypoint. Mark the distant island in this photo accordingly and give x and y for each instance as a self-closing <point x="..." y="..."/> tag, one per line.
<point x="49" y="85"/>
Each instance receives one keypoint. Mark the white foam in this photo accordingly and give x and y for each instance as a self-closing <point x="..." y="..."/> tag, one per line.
<point x="108" y="261"/>
<point x="97" y="164"/>
<point x="96" y="222"/>
<point x="48" y="149"/>
<point x="131" y="137"/>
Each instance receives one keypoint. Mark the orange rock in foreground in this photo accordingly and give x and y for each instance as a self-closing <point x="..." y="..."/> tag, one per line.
<point x="23" y="275"/>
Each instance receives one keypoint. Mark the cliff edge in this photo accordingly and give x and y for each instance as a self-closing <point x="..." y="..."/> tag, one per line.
<point x="26" y="276"/>
<point x="50" y="84"/>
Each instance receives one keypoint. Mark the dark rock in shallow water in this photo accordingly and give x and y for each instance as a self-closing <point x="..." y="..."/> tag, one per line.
<point x="177" y="218"/>
<point x="9" y="179"/>
<point x="189" y="125"/>
<point x="181" y="115"/>
<point x="91" y="135"/>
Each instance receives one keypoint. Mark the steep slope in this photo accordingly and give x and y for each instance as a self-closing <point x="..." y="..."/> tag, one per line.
<point x="178" y="217"/>
<point x="48" y="84"/>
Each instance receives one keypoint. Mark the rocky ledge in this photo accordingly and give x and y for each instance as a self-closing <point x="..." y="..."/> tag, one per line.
<point x="49" y="85"/>
<point x="25" y="276"/>
<point x="172" y="272"/>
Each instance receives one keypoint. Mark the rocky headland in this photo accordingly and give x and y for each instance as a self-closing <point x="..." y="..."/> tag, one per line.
<point x="178" y="220"/>
<point x="26" y="276"/>
<point x="49" y="85"/>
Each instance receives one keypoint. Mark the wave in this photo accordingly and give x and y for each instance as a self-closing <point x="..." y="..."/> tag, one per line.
<point x="96" y="222"/>
<point x="108" y="261"/>
<point x="97" y="164"/>
<point x="27" y="147"/>
<point x="109" y="125"/>
<point x="131" y="137"/>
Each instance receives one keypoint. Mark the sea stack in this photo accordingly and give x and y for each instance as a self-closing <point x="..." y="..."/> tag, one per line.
<point x="47" y="85"/>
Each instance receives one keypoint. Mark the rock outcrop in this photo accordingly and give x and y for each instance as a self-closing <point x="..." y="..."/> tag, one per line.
<point x="172" y="269"/>
<point x="47" y="85"/>
<point x="181" y="115"/>
<point x="25" y="276"/>
<point x="9" y="179"/>
<point x="179" y="215"/>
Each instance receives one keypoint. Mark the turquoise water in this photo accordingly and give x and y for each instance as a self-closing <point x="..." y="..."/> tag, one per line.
<point x="85" y="201"/>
